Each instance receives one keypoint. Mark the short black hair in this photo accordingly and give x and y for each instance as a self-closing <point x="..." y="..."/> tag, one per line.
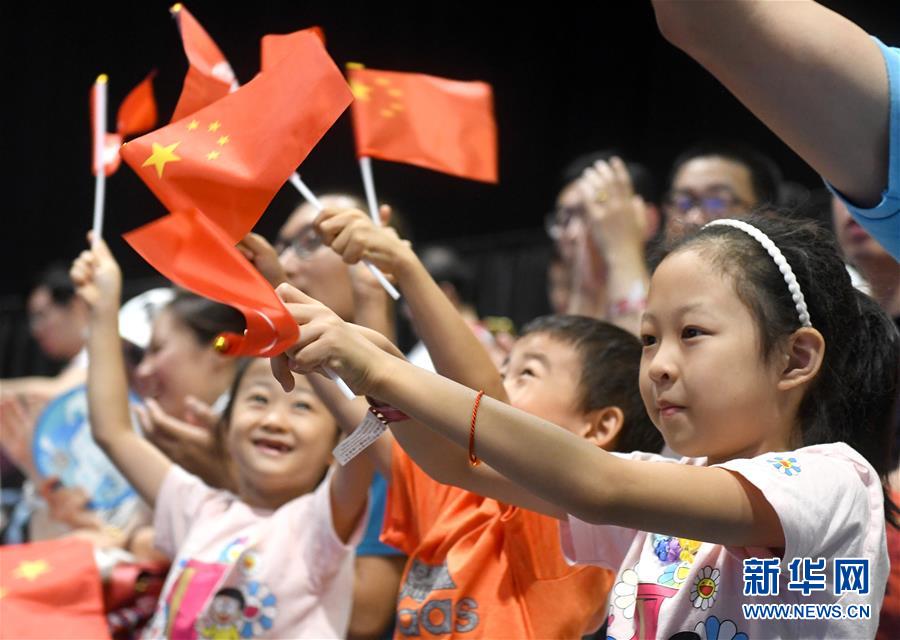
<point x="234" y="594"/>
<point x="55" y="278"/>
<point x="445" y="265"/>
<point x="610" y="368"/>
<point x="765" y="176"/>
<point x="205" y="318"/>
<point x="645" y="185"/>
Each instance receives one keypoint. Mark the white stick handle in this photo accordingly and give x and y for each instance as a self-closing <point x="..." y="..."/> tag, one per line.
<point x="311" y="198"/>
<point x="99" y="155"/>
<point x="365" y="165"/>
<point x="348" y="393"/>
<point x="384" y="282"/>
<point x="305" y="191"/>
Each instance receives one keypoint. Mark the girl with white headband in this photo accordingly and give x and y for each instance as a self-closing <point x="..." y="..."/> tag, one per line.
<point x="763" y="365"/>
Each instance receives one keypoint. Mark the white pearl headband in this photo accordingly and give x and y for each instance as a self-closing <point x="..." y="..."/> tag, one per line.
<point x="780" y="261"/>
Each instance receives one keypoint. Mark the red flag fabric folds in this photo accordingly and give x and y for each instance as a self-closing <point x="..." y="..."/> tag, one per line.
<point x="229" y="159"/>
<point x="432" y="122"/>
<point x="209" y="76"/>
<point x="273" y="47"/>
<point x="196" y="254"/>
<point x="51" y="590"/>
<point x="137" y="113"/>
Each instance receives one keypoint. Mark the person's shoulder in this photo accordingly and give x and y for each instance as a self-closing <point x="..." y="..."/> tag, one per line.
<point x="835" y="456"/>
<point x="185" y="487"/>
<point x="821" y="466"/>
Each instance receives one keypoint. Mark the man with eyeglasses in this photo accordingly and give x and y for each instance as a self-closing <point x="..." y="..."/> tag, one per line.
<point x="710" y="181"/>
<point x="311" y="267"/>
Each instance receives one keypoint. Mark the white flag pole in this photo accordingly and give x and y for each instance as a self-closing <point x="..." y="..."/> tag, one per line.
<point x="365" y="165"/>
<point x="311" y="198"/>
<point x="99" y="153"/>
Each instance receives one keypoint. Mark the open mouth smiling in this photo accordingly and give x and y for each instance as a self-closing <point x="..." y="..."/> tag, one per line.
<point x="271" y="446"/>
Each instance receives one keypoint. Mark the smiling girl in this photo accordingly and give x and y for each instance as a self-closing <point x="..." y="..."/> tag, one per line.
<point x="761" y="360"/>
<point x="273" y="561"/>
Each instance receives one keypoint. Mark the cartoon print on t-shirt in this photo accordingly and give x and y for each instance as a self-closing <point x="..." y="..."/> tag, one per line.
<point x="705" y="589"/>
<point x="712" y="629"/>
<point x="625" y="593"/>
<point x="635" y="595"/>
<point x="259" y="610"/>
<point x="787" y="466"/>
<point x="223" y="615"/>
<point x="222" y="599"/>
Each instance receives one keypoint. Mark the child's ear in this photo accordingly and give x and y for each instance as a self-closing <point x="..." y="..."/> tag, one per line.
<point x="602" y="426"/>
<point x="804" y="354"/>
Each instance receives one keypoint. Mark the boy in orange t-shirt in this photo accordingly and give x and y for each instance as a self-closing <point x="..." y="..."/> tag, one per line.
<point x="478" y="568"/>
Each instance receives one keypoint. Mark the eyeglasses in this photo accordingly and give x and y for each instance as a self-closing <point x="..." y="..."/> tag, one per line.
<point x="556" y="221"/>
<point x="303" y="244"/>
<point x="713" y="205"/>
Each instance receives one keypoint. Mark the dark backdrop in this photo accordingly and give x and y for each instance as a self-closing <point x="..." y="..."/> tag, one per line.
<point x="567" y="78"/>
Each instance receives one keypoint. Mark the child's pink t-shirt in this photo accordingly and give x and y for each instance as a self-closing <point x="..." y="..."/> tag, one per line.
<point x="830" y="504"/>
<point x="241" y="572"/>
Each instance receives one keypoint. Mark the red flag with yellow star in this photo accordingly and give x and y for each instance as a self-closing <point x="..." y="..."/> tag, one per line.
<point x="229" y="159"/>
<point x="209" y="76"/>
<point x="431" y="122"/>
<point x="196" y="254"/>
<point x="51" y="590"/>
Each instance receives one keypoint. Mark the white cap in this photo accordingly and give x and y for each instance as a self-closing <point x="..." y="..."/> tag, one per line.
<point x="136" y="316"/>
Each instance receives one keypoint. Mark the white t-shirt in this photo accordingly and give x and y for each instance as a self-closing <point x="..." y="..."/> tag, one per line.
<point x="830" y="504"/>
<point x="242" y="572"/>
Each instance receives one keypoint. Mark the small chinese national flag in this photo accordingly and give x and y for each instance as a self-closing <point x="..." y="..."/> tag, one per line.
<point x="194" y="253"/>
<point x="209" y="76"/>
<point x="229" y="159"/>
<point x="439" y="124"/>
<point x="51" y="590"/>
<point x="136" y="114"/>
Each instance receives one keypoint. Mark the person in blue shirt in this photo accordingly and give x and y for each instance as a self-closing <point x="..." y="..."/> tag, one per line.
<point x="818" y="81"/>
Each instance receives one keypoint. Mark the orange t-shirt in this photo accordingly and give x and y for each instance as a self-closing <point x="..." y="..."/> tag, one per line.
<point x="478" y="568"/>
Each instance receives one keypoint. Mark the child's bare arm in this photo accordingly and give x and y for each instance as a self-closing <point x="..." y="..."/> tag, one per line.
<point x="99" y="282"/>
<point x="812" y="76"/>
<point x="440" y="457"/>
<point x="349" y="495"/>
<point x="454" y="349"/>
<point x="701" y="503"/>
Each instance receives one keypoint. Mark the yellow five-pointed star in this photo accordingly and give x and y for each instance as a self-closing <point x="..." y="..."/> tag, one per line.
<point x="214" y="126"/>
<point x="224" y="140"/>
<point x="193" y="125"/>
<point x="161" y="155"/>
<point x="359" y="90"/>
<point x="31" y="569"/>
<point x="212" y="155"/>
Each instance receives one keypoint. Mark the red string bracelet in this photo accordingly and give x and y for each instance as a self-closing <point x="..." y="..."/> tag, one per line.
<point x="473" y="459"/>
